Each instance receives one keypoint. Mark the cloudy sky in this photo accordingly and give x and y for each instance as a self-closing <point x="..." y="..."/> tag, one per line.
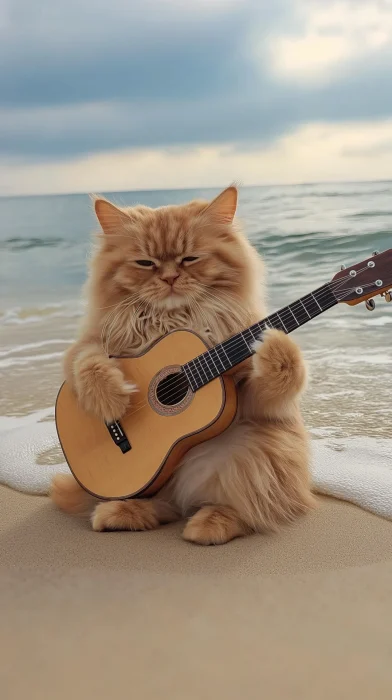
<point x="141" y="94"/>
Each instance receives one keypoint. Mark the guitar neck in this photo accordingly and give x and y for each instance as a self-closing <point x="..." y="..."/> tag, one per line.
<point x="224" y="356"/>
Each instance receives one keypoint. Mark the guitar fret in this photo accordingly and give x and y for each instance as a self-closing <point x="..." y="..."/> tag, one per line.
<point x="274" y="323"/>
<point x="201" y="366"/>
<point x="236" y="353"/>
<point x="311" y="305"/>
<point x="243" y="336"/>
<point x="301" y="302"/>
<point x="210" y="363"/>
<point x="208" y="368"/>
<point x="227" y="357"/>
<point x="281" y="322"/>
<point x="237" y="350"/>
<point x="193" y="384"/>
<point x="193" y="362"/>
<point x="316" y="302"/>
<point x="328" y="298"/>
<point x="217" y="354"/>
<point x="209" y="354"/>
<point x="252" y="334"/>
<point x="252" y="338"/>
<point x="301" y="315"/>
<point x="293" y="315"/>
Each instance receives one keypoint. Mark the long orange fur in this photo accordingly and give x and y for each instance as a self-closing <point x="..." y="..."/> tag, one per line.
<point x="255" y="476"/>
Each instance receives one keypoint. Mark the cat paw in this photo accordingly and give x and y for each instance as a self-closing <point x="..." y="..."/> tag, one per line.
<point x="102" y="389"/>
<point x="124" y="515"/>
<point x="278" y="361"/>
<point x="213" y="525"/>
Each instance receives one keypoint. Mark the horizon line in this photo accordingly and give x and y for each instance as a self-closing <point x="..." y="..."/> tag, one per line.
<point x="188" y="189"/>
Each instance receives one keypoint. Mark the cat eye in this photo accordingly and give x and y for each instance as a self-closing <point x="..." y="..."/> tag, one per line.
<point x="189" y="258"/>
<point x="145" y="263"/>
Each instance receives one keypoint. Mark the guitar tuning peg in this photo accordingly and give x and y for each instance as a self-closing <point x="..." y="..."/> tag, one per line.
<point x="342" y="267"/>
<point x="388" y="296"/>
<point x="370" y="304"/>
<point x="375" y="252"/>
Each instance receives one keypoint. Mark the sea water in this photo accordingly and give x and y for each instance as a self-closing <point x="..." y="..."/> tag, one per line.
<point x="304" y="233"/>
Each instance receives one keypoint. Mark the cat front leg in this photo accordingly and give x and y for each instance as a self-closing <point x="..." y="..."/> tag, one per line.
<point x="276" y="378"/>
<point x="97" y="381"/>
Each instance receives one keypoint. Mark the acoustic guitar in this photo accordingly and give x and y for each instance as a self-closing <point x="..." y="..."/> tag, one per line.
<point x="186" y="393"/>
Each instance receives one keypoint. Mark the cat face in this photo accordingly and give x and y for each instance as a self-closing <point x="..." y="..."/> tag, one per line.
<point x="173" y="256"/>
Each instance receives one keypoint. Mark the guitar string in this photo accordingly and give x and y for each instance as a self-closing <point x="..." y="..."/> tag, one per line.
<point x="283" y="315"/>
<point x="334" y="284"/>
<point x="175" y="392"/>
<point x="238" y="342"/>
<point x="180" y="380"/>
<point x="185" y="383"/>
<point x="128" y="301"/>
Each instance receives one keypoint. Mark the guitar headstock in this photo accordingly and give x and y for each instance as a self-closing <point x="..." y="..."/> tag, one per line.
<point x="365" y="280"/>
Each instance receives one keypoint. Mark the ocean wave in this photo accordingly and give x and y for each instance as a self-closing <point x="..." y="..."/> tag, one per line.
<point x="309" y="190"/>
<point x="368" y="214"/>
<point x="378" y="321"/>
<point x="353" y="320"/>
<point x="32" y="346"/>
<point x="26" y="315"/>
<point x="24" y="243"/>
<point x="342" y="194"/>
<point x="319" y="242"/>
<point x="341" y="360"/>
<point x="21" y="361"/>
<point x="11" y="422"/>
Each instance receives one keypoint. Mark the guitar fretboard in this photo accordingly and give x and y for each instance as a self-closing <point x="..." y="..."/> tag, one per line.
<point x="221" y="358"/>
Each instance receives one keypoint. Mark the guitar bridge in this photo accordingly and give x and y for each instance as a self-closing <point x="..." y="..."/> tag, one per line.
<point x="118" y="436"/>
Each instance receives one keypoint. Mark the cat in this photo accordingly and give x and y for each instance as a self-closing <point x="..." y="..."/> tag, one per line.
<point x="190" y="266"/>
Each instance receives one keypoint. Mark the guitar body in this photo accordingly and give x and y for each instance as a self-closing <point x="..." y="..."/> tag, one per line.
<point x="157" y="434"/>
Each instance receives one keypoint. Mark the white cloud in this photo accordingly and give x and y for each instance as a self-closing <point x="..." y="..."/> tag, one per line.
<point x="331" y="35"/>
<point x="313" y="152"/>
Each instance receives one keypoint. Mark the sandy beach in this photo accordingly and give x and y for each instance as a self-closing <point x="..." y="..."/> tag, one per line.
<point x="300" y="615"/>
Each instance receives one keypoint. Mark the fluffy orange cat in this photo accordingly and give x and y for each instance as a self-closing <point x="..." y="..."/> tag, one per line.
<point x="189" y="266"/>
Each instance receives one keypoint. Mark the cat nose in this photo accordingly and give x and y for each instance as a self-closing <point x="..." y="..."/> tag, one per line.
<point x="170" y="277"/>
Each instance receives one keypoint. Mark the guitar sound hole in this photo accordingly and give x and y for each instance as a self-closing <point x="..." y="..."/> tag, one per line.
<point x="172" y="389"/>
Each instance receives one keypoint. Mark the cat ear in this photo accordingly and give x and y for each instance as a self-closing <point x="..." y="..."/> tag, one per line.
<point x="109" y="216"/>
<point x="224" y="206"/>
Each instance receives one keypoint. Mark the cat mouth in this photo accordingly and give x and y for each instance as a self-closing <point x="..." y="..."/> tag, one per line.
<point x="173" y="292"/>
<point x="172" y="300"/>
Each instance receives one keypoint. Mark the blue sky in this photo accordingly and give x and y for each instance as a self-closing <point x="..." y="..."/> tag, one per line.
<point x="168" y="93"/>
